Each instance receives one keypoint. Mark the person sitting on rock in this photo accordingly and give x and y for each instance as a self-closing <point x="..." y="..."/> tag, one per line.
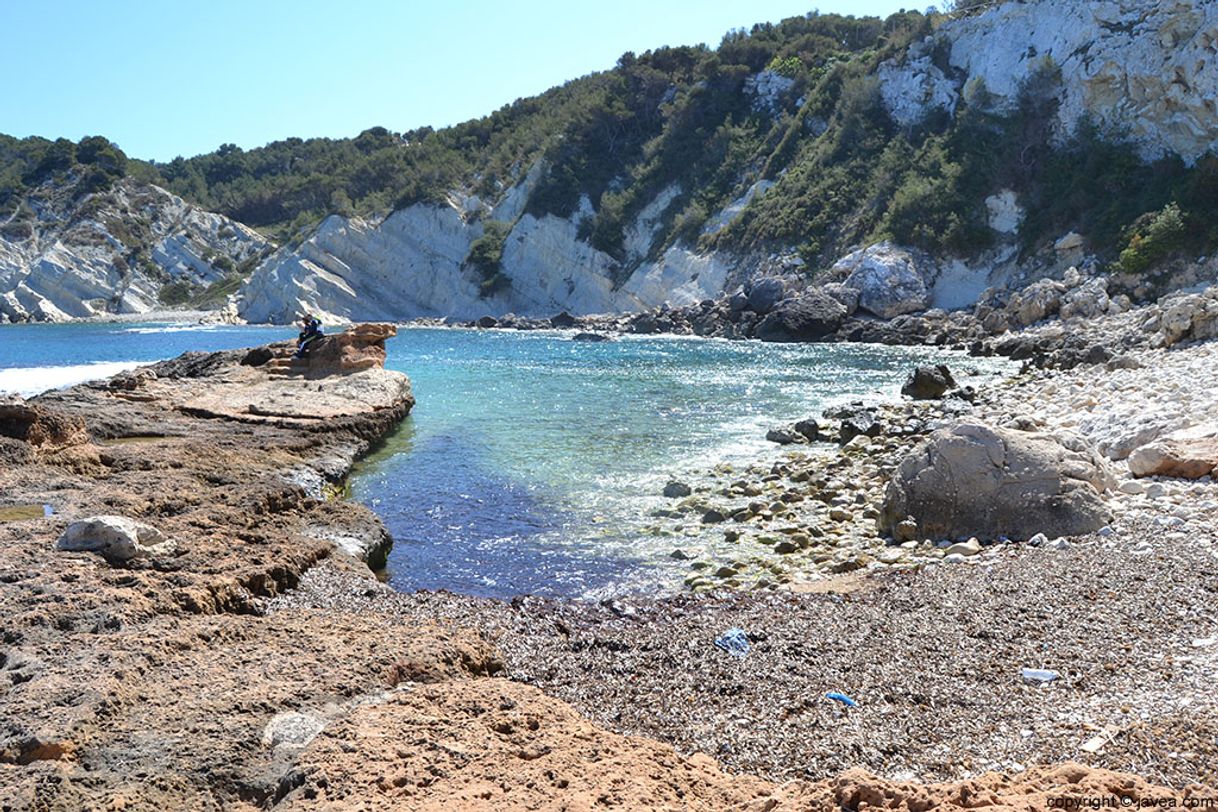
<point x="310" y="332"/>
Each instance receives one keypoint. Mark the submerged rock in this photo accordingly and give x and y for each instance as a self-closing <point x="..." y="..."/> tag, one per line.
<point x="677" y="490"/>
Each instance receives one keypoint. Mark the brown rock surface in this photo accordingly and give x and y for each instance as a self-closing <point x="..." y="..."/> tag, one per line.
<point x="1189" y="454"/>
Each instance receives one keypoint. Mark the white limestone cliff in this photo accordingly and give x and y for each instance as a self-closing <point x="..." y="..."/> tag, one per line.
<point x="1142" y="69"/>
<point x="413" y="264"/>
<point x="112" y="252"/>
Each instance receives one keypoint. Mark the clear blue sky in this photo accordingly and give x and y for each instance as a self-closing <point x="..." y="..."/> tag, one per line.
<point x="179" y="77"/>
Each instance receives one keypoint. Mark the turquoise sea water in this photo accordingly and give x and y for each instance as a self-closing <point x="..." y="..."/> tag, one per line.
<point x="531" y="461"/>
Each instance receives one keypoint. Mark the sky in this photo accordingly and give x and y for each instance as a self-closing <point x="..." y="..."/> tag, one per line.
<point x="180" y="77"/>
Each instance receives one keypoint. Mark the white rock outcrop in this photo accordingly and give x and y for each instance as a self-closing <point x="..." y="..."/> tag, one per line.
<point x="112" y="252"/>
<point x="890" y="280"/>
<point x="1147" y="68"/>
<point x="413" y="264"/>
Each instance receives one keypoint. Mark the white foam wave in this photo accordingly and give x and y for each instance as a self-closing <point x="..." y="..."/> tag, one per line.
<point x="175" y="328"/>
<point x="28" y="381"/>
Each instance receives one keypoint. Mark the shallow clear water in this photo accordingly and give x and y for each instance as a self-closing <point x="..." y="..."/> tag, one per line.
<point x="531" y="461"/>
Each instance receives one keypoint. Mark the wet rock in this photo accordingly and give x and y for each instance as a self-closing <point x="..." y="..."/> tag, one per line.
<point x="713" y="517"/>
<point x="116" y="538"/>
<point x="975" y="480"/>
<point x="487" y="322"/>
<point x="862" y="422"/>
<point x="591" y="337"/>
<point x="811" y="316"/>
<point x="764" y="294"/>
<point x="562" y="321"/>
<point x="928" y="382"/>
<point x="784" y="436"/>
<point x="677" y="490"/>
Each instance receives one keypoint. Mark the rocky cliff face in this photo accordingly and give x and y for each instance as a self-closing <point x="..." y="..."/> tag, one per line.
<point x="1142" y="68"/>
<point x="64" y="255"/>
<point x="415" y="263"/>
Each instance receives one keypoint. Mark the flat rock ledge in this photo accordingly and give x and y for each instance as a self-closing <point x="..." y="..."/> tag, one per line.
<point x="140" y="670"/>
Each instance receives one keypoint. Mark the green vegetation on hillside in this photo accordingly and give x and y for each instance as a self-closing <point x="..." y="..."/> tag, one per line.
<point x="693" y="119"/>
<point x="26" y="163"/>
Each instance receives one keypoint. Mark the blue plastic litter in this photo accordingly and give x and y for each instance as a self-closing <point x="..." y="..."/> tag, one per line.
<point x="734" y="641"/>
<point x="845" y="700"/>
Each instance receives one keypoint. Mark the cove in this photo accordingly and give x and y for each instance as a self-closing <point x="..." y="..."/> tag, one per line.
<point x="531" y="463"/>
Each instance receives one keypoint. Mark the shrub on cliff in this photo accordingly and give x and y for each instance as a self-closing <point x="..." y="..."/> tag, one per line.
<point x="1154" y="237"/>
<point x="486" y="256"/>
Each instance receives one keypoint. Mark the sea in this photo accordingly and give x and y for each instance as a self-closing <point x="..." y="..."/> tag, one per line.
<point x="532" y="463"/>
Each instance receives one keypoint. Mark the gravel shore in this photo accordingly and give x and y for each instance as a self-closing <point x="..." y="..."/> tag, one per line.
<point x="933" y="659"/>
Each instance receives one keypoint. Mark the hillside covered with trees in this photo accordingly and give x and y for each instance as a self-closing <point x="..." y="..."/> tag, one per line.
<point x="797" y="104"/>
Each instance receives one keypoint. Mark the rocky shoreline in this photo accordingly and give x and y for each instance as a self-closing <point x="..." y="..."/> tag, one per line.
<point x="255" y="662"/>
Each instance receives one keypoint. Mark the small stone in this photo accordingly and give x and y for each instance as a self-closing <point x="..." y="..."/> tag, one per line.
<point x="726" y="572"/>
<point x="970" y="547"/>
<point x="713" y="516"/>
<point x="785" y="547"/>
<point x="954" y="558"/>
<point x="683" y="554"/>
<point x="892" y="555"/>
<point x="1038" y="540"/>
<point x="1059" y="544"/>
<point x="1132" y="487"/>
<point x="840" y="515"/>
<point x="906" y="531"/>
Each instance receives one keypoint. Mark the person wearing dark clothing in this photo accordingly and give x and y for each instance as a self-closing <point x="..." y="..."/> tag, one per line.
<point x="310" y="332"/>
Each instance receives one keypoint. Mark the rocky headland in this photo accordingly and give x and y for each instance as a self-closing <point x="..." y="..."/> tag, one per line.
<point x="192" y="619"/>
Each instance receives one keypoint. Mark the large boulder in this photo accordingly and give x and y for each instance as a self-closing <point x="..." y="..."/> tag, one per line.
<point x="976" y="480"/>
<point x="764" y="294"/>
<point x="810" y="316"/>
<point x="116" y="538"/>
<point x="1189" y="454"/>
<point x="890" y="280"/>
<point x="1087" y="301"/>
<point x="1035" y="302"/>
<point x="849" y="297"/>
<point x="1186" y="317"/>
